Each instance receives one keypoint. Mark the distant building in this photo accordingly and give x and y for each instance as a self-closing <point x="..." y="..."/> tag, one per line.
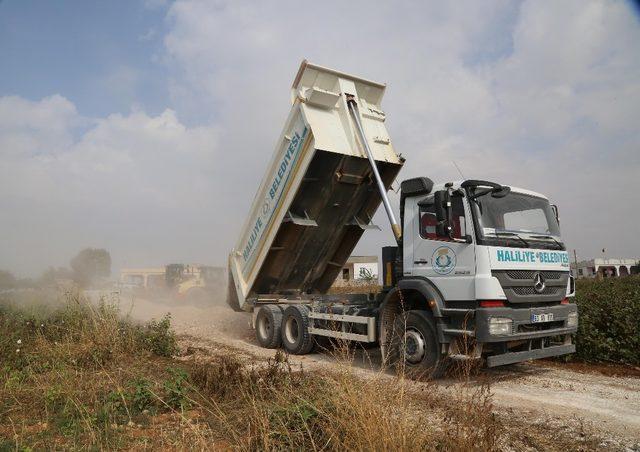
<point x="160" y="277"/>
<point x="142" y="277"/>
<point x="358" y="269"/>
<point x="605" y="268"/>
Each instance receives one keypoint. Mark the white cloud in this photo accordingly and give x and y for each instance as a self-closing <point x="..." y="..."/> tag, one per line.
<point x="540" y="95"/>
<point x="138" y="185"/>
<point x="31" y="128"/>
<point x="534" y="94"/>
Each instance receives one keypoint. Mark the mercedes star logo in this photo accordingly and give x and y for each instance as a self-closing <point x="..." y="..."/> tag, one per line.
<point x="538" y="283"/>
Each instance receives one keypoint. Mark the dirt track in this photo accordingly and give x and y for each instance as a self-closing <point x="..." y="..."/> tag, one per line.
<point x="538" y="393"/>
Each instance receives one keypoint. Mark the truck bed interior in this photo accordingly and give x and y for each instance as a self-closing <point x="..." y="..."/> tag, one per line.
<point x="313" y="242"/>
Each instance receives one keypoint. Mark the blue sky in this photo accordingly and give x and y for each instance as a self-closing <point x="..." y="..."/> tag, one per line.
<point x="144" y="126"/>
<point x="103" y="56"/>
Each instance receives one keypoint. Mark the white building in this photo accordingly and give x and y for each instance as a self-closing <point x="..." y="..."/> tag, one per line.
<point x="359" y="269"/>
<point x="606" y="268"/>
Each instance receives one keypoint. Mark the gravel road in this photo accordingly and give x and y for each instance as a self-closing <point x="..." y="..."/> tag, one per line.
<point x="537" y="392"/>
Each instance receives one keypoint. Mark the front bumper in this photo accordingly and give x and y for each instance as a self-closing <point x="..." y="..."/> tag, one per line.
<point x="526" y="340"/>
<point x="522" y="328"/>
<point x="518" y="357"/>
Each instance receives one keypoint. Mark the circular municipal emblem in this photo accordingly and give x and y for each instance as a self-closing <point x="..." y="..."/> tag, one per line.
<point x="443" y="260"/>
<point x="538" y="283"/>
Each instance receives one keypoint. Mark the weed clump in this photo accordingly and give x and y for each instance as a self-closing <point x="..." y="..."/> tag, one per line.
<point x="77" y="333"/>
<point x="176" y="389"/>
<point x="77" y="372"/>
<point x="159" y="338"/>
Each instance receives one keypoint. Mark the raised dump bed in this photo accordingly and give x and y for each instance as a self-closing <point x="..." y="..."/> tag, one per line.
<point x="319" y="194"/>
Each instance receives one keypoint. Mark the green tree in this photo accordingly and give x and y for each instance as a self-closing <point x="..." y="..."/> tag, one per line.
<point x="91" y="264"/>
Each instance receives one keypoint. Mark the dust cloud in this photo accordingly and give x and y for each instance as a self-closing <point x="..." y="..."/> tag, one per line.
<point x="209" y="317"/>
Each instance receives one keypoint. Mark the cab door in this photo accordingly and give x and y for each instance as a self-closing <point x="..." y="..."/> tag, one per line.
<point x="449" y="264"/>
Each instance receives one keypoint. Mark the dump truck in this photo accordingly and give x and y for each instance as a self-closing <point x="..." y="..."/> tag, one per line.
<point x="478" y="271"/>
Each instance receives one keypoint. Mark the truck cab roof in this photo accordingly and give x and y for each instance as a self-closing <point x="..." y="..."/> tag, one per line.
<point x="458" y="183"/>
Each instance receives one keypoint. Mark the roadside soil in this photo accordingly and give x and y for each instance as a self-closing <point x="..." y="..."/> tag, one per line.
<point x="595" y="400"/>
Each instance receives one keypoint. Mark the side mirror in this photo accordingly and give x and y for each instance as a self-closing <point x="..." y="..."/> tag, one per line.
<point x="442" y="207"/>
<point x="555" y="212"/>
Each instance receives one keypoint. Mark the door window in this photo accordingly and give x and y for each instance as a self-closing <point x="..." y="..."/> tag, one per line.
<point x="428" y="221"/>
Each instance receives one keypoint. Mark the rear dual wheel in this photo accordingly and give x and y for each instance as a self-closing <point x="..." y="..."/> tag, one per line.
<point x="268" y="324"/>
<point x="296" y="338"/>
<point x="288" y="327"/>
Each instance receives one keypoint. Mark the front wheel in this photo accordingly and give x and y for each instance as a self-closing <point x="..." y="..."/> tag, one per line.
<point x="414" y="348"/>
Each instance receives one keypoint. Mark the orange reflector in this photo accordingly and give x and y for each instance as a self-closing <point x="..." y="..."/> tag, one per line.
<point x="432" y="303"/>
<point x="565" y="301"/>
<point x="388" y="280"/>
<point x="492" y="304"/>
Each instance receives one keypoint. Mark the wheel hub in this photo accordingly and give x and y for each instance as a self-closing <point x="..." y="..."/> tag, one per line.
<point x="415" y="346"/>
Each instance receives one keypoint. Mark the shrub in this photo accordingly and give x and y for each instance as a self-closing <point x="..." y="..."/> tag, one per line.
<point x="159" y="338"/>
<point x="609" y="312"/>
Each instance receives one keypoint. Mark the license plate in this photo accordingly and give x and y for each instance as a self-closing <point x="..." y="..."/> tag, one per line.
<point x="539" y="318"/>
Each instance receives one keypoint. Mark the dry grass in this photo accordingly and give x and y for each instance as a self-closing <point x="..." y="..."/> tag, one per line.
<point x="84" y="378"/>
<point x="72" y="372"/>
<point x="276" y="407"/>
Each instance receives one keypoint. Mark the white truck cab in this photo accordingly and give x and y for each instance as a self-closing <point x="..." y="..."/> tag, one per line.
<point x="496" y="250"/>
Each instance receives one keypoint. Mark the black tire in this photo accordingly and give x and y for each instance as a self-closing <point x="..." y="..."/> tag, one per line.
<point x="232" y="295"/>
<point x="296" y="338"/>
<point x="268" y="324"/>
<point x="414" y="349"/>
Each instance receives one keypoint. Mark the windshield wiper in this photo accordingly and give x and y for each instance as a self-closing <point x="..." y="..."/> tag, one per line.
<point x="512" y="234"/>
<point x="560" y="246"/>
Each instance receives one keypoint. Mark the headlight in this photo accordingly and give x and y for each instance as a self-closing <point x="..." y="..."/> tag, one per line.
<point x="572" y="320"/>
<point x="499" y="326"/>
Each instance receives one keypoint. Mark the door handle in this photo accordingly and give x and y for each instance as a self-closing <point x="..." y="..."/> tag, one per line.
<point x="421" y="261"/>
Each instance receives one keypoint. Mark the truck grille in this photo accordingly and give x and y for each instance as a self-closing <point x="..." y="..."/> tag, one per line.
<point x="528" y="290"/>
<point x="529" y="274"/>
<point x="518" y="285"/>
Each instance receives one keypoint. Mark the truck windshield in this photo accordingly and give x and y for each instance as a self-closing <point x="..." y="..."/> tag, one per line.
<point x="517" y="220"/>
